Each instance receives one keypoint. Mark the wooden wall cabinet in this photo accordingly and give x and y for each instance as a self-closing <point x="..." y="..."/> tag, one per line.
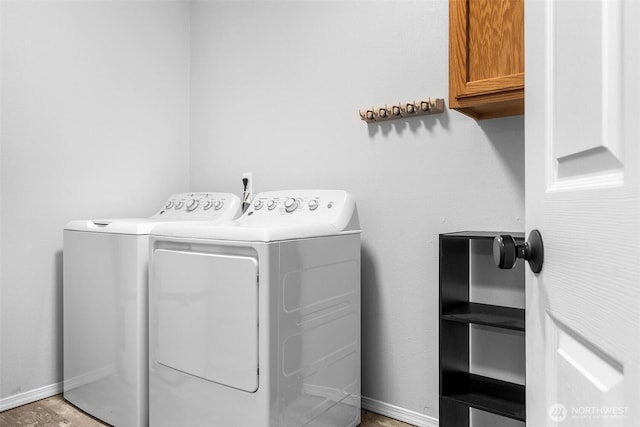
<point x="486" y="57"/>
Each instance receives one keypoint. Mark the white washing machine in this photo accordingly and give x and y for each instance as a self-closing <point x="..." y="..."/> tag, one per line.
<point x="105" y="314"/>
<point x="256" y="323"/>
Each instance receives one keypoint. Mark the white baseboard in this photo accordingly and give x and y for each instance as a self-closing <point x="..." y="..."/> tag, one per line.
<point x="382" y="408"/>
<point x="30" y="396"/>
<point x="398" y="413"/>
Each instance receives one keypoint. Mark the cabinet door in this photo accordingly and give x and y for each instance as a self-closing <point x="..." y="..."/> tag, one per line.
<point x="486" y="57"/>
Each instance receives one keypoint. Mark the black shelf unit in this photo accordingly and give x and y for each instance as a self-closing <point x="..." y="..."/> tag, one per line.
<point x="459" y="388"/>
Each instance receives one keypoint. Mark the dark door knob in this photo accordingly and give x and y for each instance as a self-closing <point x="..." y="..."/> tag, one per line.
<point x="506" y="251"/>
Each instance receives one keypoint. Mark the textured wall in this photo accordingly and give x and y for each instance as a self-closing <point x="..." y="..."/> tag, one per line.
<point x="275" y="90"/>
<point x="95" y="120"/>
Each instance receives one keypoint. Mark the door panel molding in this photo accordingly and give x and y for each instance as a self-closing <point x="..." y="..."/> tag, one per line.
<point x="582" y="158"/>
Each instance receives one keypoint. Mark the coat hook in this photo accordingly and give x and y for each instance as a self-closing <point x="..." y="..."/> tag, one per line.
<point x="400" y="110"/>
<point x="410" y="108"/>
<point x="370" y="115"/>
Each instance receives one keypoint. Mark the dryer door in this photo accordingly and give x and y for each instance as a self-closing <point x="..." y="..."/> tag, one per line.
<point x="207" y="315"/>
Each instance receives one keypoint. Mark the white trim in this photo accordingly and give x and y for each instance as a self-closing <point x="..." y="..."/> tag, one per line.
<point x="30" y="396"/>
<point x="398" y="413"/>
<point x="382" y="408"/>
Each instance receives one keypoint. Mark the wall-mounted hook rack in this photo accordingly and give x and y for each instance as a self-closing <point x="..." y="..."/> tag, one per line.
<point x="402" y="110"/>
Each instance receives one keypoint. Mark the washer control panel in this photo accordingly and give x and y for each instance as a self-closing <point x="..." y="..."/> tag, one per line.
<point x="200" y="206"/>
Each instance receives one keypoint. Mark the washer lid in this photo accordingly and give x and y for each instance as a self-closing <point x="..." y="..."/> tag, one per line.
<point x="183" y="207"/>
<point x="280" y="215"/>
<point x="137" y="226"/>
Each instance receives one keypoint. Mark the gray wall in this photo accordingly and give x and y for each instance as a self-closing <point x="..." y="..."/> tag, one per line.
<point x="95" y="122"/>
<point x="275" y="90"/>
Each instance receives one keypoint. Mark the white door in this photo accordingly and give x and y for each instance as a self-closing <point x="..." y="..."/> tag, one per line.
<point x="583" y="193"/>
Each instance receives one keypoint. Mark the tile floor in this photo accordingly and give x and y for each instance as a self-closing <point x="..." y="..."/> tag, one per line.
<point x="56" y="412"/>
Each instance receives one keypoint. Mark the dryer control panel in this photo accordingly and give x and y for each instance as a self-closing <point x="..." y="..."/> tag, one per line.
<point x="200" y="206"/>
<point x="281" y="208"/>
<point x="298" y="202"/>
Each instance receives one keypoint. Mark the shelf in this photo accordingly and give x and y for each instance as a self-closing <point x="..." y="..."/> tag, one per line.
<point x="459" y="388"/>
<point x="488" y="394"/>
<point x="481" y="235"/>
<point x="485" y="314"/>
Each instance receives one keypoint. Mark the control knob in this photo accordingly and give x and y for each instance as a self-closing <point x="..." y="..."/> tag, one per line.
<point x="291" y="205"/>
<point x="169" y="204"/>
<point x="207" y="205"/>
<point x="218" y="204"/>
<point x="313" y="205"/>
<point x="272" y="204"/>
<point x="192" y="205"/>
<point x="258" y="204"/>
<point x="179" y="204"/>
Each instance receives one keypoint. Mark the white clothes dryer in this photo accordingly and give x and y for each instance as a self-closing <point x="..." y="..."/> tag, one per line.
<point x="105" y="314"/>
<point x="256" y="322"/>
